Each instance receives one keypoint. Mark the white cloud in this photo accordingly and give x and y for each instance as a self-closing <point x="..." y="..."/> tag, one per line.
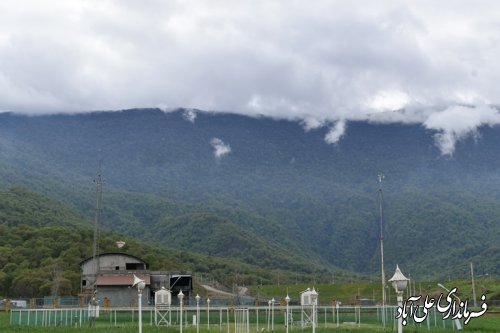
<point x="336" y="132"/>
<point x="310" y="123"/>
<point x="389" y="100"/>
<point x="189" y="115"/>
<point x="220" y="148"/>
<point x="317" y="62"/>
<point x="459" y="122"/>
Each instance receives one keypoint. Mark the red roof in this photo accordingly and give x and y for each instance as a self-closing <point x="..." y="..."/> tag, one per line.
<point x="121" y="280"/>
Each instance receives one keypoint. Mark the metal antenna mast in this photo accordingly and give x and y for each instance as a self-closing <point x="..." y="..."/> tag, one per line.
<point x="473" y="284"/>
<point x="380" y="179"/>
<point x="97" y="218"/>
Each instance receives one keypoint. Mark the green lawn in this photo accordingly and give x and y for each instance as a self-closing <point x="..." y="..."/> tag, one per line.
<point x="488" y="324"/>
<point x="348" y="293"/>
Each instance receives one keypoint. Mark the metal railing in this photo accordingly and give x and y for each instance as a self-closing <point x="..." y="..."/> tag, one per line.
<point x="259" y="317"/>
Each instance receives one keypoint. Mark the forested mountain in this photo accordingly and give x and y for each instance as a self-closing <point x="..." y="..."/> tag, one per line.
<point x="42" y="243"/>
<point x="280" y="196"/>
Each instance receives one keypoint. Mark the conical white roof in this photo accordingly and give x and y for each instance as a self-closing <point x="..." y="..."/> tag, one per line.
<point x="398" y="276"/>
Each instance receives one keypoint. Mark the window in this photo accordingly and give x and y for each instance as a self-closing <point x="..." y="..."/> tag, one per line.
<point x="133" y="266"/>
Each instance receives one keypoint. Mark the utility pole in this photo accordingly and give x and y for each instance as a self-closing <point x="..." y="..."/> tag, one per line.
<point x="473" y="284"/>
<point x="97" y="218"/>
<point x="380" y="179"/>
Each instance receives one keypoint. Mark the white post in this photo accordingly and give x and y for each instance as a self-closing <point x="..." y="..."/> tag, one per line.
<point x="197" y="313"/>
<point x="337" y="306"/>
<point x="268" y="315"/>
<point x="139" y="296"/>
<point x="208" y="313"/>
<point x="272" y="315"/>
<point x="140" y="287"/>
<point x="257" y="315"/>
<point x="314" y="301"/>
<point x="399" y="282"/>
<point x="181" y="296"/>
<point x="248" y="321"/>
<point x="400" y="304"/>
<point x="287" y="319"/>
<point x="313" y="317"/>
<point x="220" y="319"/>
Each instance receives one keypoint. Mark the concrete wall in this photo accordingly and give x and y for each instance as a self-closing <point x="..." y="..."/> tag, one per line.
<point x="121" y="296"/>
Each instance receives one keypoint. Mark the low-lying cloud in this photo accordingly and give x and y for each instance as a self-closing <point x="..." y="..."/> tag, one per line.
<point x="459" y="122"/>
<point x="220" y="148"/>
<point x="336" y="132"/>
<point x="189" y="115"/>
<point x="323" y="62"/>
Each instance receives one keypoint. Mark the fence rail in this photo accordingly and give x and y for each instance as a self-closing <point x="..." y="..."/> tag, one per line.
<point x="259" y="318"/>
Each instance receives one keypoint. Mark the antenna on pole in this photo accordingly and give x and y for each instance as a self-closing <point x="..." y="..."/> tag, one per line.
<point x="381" y="177"/>
<point x="97" y="218"/>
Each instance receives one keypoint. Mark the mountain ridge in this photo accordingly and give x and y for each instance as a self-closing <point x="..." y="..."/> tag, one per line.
<point x="321" y="200"/>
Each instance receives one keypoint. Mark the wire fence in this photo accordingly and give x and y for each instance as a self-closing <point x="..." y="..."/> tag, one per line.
<point x="259" y="318"/>
<point x="50" y="302"/>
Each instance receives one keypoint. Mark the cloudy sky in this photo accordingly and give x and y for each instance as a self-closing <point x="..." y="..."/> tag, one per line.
<point x="323" y="62"/>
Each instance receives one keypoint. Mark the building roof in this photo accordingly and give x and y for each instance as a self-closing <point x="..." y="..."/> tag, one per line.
<point x="113" y="254"/>
<point x="121" y="280"/>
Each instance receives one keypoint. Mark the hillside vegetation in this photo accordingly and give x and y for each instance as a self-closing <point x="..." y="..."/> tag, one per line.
<point x="282" y="198"/>
<point x="42" y="243"/>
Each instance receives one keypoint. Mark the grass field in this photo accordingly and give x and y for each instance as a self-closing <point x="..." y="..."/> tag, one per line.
<point x="487" y="324"/>
<point x="346" y="293"/>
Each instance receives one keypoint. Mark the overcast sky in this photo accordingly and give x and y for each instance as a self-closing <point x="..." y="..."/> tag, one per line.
<point x="325" y="62"/>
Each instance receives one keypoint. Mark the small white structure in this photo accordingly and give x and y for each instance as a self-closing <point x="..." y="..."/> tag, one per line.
<point x="163" y="297"/>
<point x="163" y="300"/>
<point x="308" y="302"/>
<point x="93" y="311"/>
<point x="18" y="303"/>
<point x="305" y="297"/>
<point x="120" y="244"/>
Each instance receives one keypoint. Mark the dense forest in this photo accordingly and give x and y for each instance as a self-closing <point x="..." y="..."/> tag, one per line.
<point x="281" y="198"/>
<point x="42" y="243"/>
